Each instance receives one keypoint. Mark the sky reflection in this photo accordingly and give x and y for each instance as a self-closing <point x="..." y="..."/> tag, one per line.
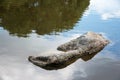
<point x="100" y="69"/>
<point x="105" y="8"/>
<point x="102" y="17"/>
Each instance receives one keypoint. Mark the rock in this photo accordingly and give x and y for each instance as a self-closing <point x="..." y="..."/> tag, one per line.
<point x="86" y="45"/>
<point x="55" y="62"/>
<point x="84" y="41"/>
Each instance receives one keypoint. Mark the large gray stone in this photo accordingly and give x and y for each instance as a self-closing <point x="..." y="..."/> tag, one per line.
<point x="87" y="44"/>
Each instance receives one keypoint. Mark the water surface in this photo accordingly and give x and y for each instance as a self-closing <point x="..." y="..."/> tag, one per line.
<point x="37" y="27"/>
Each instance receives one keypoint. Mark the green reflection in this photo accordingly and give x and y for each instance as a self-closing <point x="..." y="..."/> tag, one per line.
<point x="20" y="17"/>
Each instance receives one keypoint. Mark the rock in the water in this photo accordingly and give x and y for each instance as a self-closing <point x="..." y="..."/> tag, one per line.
<point x="55" y="62"/>
<point x="87" y="44"/>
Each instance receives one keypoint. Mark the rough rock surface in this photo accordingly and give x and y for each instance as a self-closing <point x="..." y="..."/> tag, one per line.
<point x="87" y="44"/>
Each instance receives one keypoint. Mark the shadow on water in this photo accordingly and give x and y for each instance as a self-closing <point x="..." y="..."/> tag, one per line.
<point x="20" y="17"/>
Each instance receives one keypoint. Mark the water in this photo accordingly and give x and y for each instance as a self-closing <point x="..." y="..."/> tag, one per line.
<point x="37" y="27"/>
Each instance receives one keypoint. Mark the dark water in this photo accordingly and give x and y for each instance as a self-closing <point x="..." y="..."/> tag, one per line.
<point x="37" y="27"/>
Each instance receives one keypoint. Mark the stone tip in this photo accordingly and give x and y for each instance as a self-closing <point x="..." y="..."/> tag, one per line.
<point x="30" y="58"/>
<point x="60" y="49"/>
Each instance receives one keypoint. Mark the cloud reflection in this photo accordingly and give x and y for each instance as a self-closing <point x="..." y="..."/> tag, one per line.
<point x="28" y="72"/>
<point x="98" y="69"/>
<point x="107" y="9"/>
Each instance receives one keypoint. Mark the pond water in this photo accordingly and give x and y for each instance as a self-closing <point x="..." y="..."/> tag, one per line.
<point x="37" y="27"/>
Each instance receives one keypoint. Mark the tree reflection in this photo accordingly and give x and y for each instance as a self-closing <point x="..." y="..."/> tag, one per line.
<point x="20" y="17"/>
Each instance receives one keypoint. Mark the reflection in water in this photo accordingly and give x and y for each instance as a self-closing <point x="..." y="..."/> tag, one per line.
<point x="42" y="16"/>
<point x="88" y="57"/>
<point x="99" y="69"/>
<point x="14" y="50"/>
<point x="106" y="11"/>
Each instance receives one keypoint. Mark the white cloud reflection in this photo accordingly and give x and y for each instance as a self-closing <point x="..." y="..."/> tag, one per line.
<point x="13" y="60"/>
<point x="14" y="69"/>
<point x="20" y="71"/>
<point x="106" y="8"/>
